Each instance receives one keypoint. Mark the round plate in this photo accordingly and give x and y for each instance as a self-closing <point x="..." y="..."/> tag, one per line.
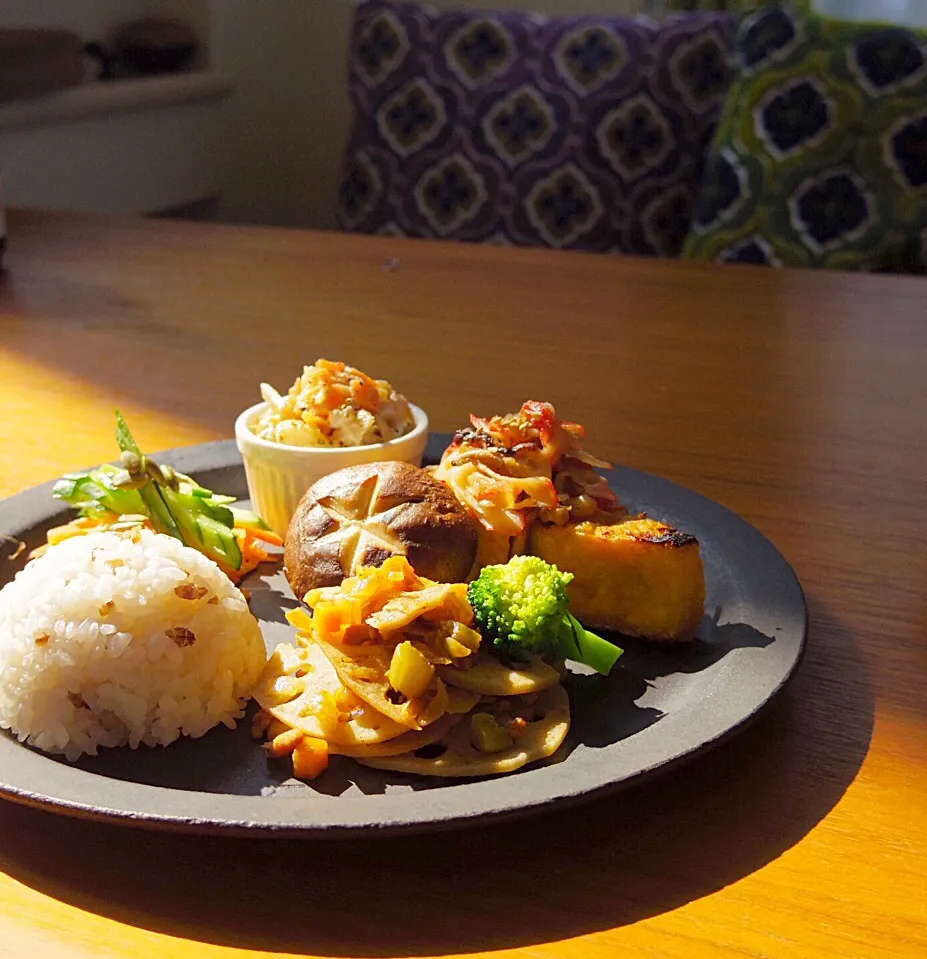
<point x="663" y="704"/>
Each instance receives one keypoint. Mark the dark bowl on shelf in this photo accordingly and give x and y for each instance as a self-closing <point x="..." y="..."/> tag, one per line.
<point x="168" y="59"/>
<point x="156" y="45"/>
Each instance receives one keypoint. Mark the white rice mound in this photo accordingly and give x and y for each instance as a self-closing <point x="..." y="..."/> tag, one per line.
<point x="123" y="638"/>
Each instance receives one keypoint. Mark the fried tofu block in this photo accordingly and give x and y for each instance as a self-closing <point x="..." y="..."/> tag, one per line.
<point x="495" y="548"/>
<point x="640" y="577"/>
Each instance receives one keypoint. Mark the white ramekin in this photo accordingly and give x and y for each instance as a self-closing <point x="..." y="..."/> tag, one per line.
<point x="279" y="474"/>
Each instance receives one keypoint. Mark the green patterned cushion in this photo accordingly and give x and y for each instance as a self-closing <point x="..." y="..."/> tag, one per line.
<point x="690" y="6"/>
<point x="820" y="158"/>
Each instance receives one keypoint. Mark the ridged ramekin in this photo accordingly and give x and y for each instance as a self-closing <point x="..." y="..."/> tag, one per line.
<point x="279" y="474"/>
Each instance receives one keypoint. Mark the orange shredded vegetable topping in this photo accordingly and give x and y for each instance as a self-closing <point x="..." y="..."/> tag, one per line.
<point x="251" y="540"/>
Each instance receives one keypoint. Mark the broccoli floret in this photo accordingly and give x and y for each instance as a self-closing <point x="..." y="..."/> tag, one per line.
<point x="522" y="607"/>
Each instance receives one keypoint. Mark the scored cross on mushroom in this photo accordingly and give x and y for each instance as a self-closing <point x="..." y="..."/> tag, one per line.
<point x="360" y="525"/>
<point x="362" y="515"/>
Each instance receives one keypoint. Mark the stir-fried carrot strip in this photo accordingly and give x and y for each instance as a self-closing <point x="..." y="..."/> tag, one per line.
<point x="251" y="539"/>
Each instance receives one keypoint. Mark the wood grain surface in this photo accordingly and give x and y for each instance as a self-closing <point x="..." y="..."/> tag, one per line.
<point x="796" y="399"/>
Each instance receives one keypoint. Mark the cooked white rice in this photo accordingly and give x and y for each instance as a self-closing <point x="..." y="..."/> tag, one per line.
<point x="114" y="638"/>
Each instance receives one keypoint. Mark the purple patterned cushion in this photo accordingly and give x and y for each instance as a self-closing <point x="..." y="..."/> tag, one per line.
<point x="570" y="132"/>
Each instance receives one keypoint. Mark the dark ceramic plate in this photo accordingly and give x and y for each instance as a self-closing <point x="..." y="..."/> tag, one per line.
<point x="664" y="704"/>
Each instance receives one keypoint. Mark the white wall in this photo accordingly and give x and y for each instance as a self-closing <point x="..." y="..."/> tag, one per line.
<point x="129" y="163"/>
<point x="911" y="12"/>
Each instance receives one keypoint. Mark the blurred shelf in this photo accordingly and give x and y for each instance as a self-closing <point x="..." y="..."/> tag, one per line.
<point x="104" y="98"/>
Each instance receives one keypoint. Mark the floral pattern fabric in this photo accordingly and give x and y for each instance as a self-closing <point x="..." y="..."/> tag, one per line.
<point x="570" y="132"/>
<point x="821" y="156"/>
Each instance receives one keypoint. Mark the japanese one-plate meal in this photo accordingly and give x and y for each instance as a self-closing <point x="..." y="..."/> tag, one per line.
<point x="438" y="608"/>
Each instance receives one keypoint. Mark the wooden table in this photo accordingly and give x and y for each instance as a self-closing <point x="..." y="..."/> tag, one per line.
<point x="796" y="399"/>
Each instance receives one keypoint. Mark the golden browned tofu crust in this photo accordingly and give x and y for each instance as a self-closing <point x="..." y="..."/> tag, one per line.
<point x="640" y="577"/>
